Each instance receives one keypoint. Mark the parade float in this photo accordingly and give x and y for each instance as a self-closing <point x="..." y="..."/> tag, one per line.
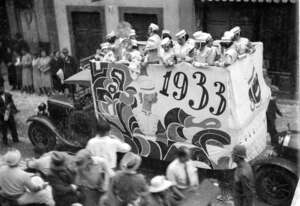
<point x="208" y="109"/>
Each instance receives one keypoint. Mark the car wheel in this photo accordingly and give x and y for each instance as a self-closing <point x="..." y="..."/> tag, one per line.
<point x="40" y="135"/>
<point x="275" y="185"/>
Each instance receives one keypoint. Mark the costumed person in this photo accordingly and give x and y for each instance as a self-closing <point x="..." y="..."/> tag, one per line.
<point x="167" y="52"/>
<point x="184" y="47"/>
<point x="161" y="192"/>
<point x="132" y="34"/>
<point x="21" y="186"/>
<point x="92" y="176"/>
<point x="134" y="70"/>
<point x="151" y="53"/>
<point x="135" y="54"/>
<point x="36" y="72"/>
<point x="7" y="112"/>
<point x="105" y="146"/>
<point x="153" y="30"/>
<point x="45" y="68"/>
<point x="229" y="54"/>
<point x="215" y="46"/>
<point x="244" y="183"/>
<point x="242" y="44"/>
<point x="26" y="71"/>
<point x="61" y="178"/>
<point x="99" y="55"/>
<point x="147" y="121"/>
<point x="109" y="55"/>
<point x="183" y="174"/>
<point x="203" y="54"/>
<point x="127" y="187"/>
<point x="111" y="38"/>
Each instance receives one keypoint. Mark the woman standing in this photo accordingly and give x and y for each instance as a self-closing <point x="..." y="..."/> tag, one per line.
<point x="46" y="82"/>
<point x="36" y="73"/>
<point x="26" y="71"/>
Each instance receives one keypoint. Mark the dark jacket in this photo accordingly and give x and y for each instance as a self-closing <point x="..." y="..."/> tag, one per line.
<point x="61" y="181"/>
<point x="69" y="66"/>
<point x="4" y="105"/>
<point x="273" y="110"/>
<point x="244" y="186"/>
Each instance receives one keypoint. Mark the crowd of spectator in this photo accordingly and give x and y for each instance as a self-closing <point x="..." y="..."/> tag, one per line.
<point x="36" y="70"/>
<point x="92" y="177"/>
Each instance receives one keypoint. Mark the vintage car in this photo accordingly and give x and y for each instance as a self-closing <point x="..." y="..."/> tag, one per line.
<point x="208" y="110"/>
<point x="277" y="174"/>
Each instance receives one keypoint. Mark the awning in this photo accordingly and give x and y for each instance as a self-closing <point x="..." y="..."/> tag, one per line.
<point x="254" y="1"/>
<point x="82" y="78"/>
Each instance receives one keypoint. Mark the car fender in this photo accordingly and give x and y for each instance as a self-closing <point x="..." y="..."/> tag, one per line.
<point x="276" y="161"/>
<point x="48" y="123"/>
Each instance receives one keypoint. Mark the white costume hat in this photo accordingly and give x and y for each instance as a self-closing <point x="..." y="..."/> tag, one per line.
<point x="132" y="32"/>
<point x="152" y="43"/>
<point x="236" y="30"/>
<point x="227" y="37"/>
<point x="111" y="34"/>
<point x="165" y="41"/>
<point x="134" y="42"/>
<point x="181" y="34"/>
<point x="165" y="31"/>
<point x="154" y="26"/>
<point x="159" y="183"/>
<point x="105" y="45"/>
<point x="12" y="158"/>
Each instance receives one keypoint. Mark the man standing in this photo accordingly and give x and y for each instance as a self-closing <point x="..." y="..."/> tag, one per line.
<point x="7" y="111"/>
<point x="69" y="67"/>
<point x="243" y="178"/>
<point x="105" y="146"/>
<point x="183" y="174"/>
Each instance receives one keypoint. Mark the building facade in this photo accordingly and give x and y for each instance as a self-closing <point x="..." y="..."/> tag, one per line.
<point x="81" y="25"/>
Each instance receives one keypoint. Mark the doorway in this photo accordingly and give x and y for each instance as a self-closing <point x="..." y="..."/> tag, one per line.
<point x="87" y="30"/>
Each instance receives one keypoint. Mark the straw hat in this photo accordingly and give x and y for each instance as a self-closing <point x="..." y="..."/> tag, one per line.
<point x="130" y="162"/>
<point x="12" y="158"/>
<point x="159" y="183"/>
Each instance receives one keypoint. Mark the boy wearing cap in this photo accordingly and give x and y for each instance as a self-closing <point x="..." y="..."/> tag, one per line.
<point x="153" y="32"/>
<point x="243" y="45"/>
<point x="229" y="53"/>
<point x="17" y="184"/>
<point x="244" y="190"/>
<point x="167" y="52"/>
<point x="203" y="54"/>
<point x="184" y="47"/>
<point x="7" y="110"/>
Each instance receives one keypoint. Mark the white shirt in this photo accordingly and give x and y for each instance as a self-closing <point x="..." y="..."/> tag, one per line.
<point x="176" y="174"/>
<point x="107" y="148"/>
<point x="3" y="97"/>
